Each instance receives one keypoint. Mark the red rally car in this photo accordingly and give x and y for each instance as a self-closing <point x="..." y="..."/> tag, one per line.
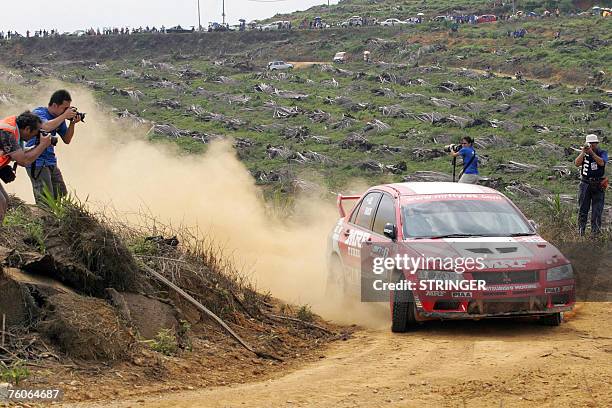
<point x="517" y="273"/>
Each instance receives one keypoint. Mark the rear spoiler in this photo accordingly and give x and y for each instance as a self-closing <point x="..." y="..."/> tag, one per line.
<point x="342" y="198"/>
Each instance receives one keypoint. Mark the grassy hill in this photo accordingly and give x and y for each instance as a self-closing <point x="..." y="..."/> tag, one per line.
<point x="383" y="9"/>
<point x="381" y="121"/>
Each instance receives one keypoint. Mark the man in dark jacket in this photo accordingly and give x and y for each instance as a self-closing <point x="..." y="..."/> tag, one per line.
<point x="591" y="194"/>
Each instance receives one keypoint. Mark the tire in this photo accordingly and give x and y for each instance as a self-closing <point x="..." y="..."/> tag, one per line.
<point x="403" y="316"/>
<point x="336" y="285"/>
<point x="554" y="319"/>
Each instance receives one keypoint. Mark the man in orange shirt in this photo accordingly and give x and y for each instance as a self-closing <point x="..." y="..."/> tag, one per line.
<point x="14" y="130"/>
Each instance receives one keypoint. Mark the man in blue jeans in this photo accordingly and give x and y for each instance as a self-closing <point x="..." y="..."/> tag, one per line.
<point x="469" y="175"/>
<point x="45" y="172"/>
<point x="592" y="192"/>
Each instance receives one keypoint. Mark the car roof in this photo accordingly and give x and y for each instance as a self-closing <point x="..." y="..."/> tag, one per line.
<point x="425" y="188"/>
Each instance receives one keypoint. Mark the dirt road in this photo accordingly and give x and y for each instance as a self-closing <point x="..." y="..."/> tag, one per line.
<point x="451" y="364"/>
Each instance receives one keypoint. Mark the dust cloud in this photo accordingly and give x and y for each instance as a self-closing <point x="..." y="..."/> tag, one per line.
<point x="116" y="166"/>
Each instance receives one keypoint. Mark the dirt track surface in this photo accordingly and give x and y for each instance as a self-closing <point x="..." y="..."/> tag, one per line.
<point x="451" y="364"/>
<point x="307" y="64"/>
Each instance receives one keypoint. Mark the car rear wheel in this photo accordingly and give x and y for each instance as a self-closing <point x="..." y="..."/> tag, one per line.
<point x="403" y="315"/>
<point x="554" y="319"/>
<point x="335" y="287"/>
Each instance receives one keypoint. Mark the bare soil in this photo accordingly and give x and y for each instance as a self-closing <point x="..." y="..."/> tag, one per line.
<point x="307" y="64"/>
<point x="493" y="363"/>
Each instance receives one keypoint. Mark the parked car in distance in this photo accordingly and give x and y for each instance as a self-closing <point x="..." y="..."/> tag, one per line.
<point x="487" y="18"/>
<point x="270" y="27"/>
<point x="390" y="22"/>
<point x="353" y="21"/>
<point x="279" y="65"/>
<point x="341" y="57"/>
<point x="179" y="29"/>
<point x="440" y="19"/>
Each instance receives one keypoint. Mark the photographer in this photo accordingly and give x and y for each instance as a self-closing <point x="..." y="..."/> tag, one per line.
<point x="13" y="130"/>
<point x="45" y="172"/>
<point x="469" y="174"/>
<point x="593" y="184"/>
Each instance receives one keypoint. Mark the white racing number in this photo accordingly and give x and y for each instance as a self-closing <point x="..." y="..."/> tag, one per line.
<point x="354" y="241"/>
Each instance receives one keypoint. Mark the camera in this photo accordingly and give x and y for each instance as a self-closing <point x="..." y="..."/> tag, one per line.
<point x="81" y="115"/>
<point x="54" y="139"/>
<point x="452" y="148"/>
<point x="587" y="146"/>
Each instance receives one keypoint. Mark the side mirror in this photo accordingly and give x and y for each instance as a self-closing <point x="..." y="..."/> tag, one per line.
<point x="533" y="224"/>
<point x="390" y="231"/>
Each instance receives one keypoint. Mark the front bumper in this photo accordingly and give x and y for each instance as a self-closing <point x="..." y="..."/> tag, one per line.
<point x="462" y="315"/>
<point x="509" y="300"/>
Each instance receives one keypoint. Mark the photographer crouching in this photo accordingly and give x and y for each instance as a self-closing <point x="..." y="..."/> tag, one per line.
<point x="469" y="174"/>
<point x="593" y="184"/>
<point x="45" y="171"/>
<point x="13" y="131"/>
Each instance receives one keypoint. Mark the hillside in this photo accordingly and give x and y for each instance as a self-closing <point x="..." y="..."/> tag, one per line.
<point x="380" y="121"/>
<point x="383" y="9"/>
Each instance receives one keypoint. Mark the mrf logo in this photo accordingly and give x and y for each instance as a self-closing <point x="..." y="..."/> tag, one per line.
<point x="506" y="263"/>
<point x="356" y="238"/>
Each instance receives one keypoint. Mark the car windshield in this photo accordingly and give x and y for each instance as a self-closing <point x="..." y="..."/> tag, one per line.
<point x="489" y="218"/>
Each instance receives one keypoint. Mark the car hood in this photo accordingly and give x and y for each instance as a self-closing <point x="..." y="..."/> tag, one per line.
<point x="509" y="253"/>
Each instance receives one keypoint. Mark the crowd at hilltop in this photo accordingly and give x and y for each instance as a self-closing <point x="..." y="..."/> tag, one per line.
<point x="91" y="31"/>
<point x="317" y="23"/>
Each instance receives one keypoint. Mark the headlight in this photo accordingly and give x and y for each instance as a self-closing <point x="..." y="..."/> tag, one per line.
<point x="440" y="275"/>
<point x="560" y="273"/>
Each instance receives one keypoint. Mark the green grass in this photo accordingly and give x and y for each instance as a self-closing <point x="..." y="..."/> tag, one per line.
<point x="165" y="342"/>
<point x="18" y="218"/>
<point x="532" y="110"/>
<point x="14" y="373"/>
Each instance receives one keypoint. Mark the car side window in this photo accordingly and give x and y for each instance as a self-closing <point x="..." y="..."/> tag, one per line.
<point x="385" y="214"/>
<point x="355" y="212"/>
<point x="367" y="209"/>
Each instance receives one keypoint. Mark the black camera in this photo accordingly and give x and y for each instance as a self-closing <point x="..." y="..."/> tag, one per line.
<point x="452" y="148"/>
<point x="54" y="139"/>
<point x="81" y="115"/>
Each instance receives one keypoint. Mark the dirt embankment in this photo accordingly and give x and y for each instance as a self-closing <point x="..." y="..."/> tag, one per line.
<point x="82" y="315"/>
<point x="493" y="363"/>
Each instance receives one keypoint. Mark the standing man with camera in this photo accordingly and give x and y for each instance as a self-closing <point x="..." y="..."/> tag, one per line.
<point x="13" y="130"/>
<point x="593" y="184"/>
<point x="44" y="171"/>
<point x="469" y="174"/>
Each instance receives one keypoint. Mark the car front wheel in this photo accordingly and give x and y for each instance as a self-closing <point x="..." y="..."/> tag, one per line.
<point x="403" y="315"/>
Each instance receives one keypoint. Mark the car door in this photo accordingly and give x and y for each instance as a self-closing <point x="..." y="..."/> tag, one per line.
<point x="357" y="231"/>
<point x="378" y="246"/>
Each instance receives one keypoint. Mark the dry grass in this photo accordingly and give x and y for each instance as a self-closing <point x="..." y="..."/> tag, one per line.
<point x="86" y="328"/>
<point x="194" y="262"/>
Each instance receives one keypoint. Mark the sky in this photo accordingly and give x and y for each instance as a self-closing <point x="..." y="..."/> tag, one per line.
<point x="70" y="15"/>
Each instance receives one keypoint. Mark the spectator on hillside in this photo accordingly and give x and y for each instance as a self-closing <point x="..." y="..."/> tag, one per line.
<point x="593" y="183"/>
<point x="469" y="174"/>
<point x="13" y="131"/>
<point x="45" y="171"/>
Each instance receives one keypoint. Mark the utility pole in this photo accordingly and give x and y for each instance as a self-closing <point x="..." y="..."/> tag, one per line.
<point x="513" y="7"/>
<point x="199" y="19"/>
<point x="223" y="14"/>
